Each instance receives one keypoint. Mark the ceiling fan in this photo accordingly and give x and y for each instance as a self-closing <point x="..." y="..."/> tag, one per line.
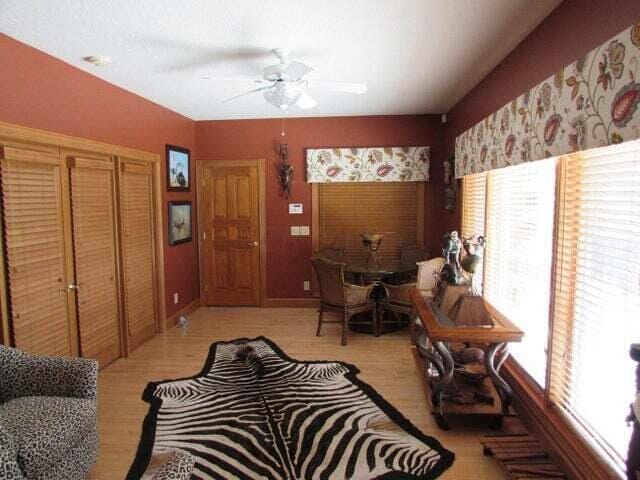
<point x="284" y="84"/>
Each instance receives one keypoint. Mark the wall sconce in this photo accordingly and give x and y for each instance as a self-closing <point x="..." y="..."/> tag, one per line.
<point x="285" y="171"/>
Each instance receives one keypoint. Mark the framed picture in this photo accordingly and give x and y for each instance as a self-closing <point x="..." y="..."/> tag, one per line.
<point x="179" y="222"/>
<point x="178" y="179"/>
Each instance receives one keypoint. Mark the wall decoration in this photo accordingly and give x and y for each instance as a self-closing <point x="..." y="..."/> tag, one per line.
<point x="450" y="184"/>
<point x="591" y="103"/>
<point x="285" y="171"/>
<point x="178" y="179"/>
<point x="179" y="222"/>
<point x="368" y="164"/>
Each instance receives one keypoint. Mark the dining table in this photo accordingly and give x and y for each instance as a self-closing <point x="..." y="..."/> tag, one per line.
<point x="372" y="272"/>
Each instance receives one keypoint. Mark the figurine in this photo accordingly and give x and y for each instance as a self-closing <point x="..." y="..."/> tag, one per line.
<point x="472" y="261"/>
<point x="285" y="171"/>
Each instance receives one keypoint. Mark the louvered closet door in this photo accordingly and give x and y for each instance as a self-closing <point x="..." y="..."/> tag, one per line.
<point x="34" y="232"/>
<point x="136" y="213"/>
<point x="94" y="241"/>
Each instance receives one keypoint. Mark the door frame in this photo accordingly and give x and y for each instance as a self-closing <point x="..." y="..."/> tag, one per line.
<point x="18" y="134"/>
<point x="260" y="163"/>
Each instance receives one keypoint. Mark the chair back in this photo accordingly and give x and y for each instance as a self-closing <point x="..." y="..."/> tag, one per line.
<point x="335" y="254"/>
<point x="331" y="280"/>
<point x="428" y="273"/>
<point x="399" y="294"/>
<point x="412" y="254"/>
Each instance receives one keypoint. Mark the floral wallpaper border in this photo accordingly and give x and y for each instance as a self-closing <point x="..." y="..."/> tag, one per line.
<point x="368" y="164"/>
<point x="591" y="103"/>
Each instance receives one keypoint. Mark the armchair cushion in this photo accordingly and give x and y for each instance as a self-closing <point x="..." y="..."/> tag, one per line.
<point x="26" y="375"/>
<point x="9" y="468"/>
<point x="44" y="428"/>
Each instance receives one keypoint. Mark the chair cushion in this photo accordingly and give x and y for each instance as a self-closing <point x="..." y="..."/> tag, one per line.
<point x="44" y="429"/>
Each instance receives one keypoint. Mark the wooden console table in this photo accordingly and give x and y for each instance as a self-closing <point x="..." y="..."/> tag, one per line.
<point x="441" y="331"/>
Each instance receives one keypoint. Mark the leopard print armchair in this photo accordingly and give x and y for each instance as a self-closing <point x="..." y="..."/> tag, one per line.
<point x="48" y="416"/>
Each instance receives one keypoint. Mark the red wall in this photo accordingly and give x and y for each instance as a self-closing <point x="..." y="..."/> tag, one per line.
<point x="40" y="91"/>
<point x="574" y="28"/>
<point x="288" y="257"/>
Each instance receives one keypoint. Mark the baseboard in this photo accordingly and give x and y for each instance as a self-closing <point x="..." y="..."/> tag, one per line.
<point x="564" y="443"/>
<point x="186" y="310"/>
<point x="291" y="303"/>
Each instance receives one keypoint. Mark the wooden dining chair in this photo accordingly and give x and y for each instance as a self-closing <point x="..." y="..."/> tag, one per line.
<point x="335" y="254"/>
<point x="397" y="302"/>
<point x="411" y="254"/>
<point x="338" y="296"/>
<point x="428" y="272"/>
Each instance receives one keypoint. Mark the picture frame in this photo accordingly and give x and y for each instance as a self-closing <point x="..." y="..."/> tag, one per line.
<point x="178" y="169"/>
<point x="180" y="223"/>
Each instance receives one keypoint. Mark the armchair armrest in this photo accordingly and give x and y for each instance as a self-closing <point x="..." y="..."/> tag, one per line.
<point x="29" y="375"/>
<point x="357" y="294"/>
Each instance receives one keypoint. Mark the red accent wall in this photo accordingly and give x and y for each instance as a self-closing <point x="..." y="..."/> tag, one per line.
<point x="288" y="257"/>
<point x="40" y="91"/>
<point x="574" y="28"/>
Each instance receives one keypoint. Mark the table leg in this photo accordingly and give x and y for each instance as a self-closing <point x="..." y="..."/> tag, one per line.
<point x="494" y="357"/>
<point x="443" y="362"/>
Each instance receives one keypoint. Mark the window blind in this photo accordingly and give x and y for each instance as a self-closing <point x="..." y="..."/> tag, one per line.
<point x="597" y="291"/>
<point x="348" y="209"/>
<point x="473" y="204"/>
<point x="517" y="270"/>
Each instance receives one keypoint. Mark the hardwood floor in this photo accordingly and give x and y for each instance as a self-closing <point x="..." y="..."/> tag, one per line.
<point x="385" y="363"/>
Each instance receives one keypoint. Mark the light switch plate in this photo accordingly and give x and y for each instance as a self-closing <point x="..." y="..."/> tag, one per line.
<point x="176" y="298"/>
<point x="307" y="285"/>
<point x="295" y="231"/>
<point x="295" y="209"/>
<point x="304" y="230"/>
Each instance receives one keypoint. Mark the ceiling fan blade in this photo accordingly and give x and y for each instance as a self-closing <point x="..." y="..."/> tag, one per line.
<point x="232" y="79"/>
<point x="250" y="92"/>
<point x="296" y="70"/>
<point x="358" y="88"/>
<point x="306" y="101"/>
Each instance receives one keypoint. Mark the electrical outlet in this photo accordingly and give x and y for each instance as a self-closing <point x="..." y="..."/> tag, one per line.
<point x="295" y="231"/>
<point x="304" y="230"/>
<point x="306" y="285"/>
<point x="176" y="298"/>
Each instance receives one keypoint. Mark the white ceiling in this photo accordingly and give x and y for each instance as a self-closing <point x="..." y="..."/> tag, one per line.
<point x="416" y="56"/>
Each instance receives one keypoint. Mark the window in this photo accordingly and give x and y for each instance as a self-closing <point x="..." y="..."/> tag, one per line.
<point x="593" y="288"/>
<point x="597" y="291"/>
<point x="473" y="204"/>
<point x="517" y="271"/>
<point x="345" y="210"/>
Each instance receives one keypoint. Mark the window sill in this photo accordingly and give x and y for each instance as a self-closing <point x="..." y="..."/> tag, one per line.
<point x="565" y="443"/>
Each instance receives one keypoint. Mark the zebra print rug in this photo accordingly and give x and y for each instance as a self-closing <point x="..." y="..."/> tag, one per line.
<point x="253" y="412"/>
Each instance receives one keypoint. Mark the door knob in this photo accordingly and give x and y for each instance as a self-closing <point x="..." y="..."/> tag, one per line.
<point x="73" y="286"/>
<point x="255" y="244"/>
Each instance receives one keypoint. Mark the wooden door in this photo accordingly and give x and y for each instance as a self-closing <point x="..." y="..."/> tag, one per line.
<point x="94" y="241"/>
<point x="138" y="259"/>
<point x="230" y="235"/>
<point x="37" y="242"/>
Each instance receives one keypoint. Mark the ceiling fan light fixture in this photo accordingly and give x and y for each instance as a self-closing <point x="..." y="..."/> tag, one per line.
<point x="282" y="95"/>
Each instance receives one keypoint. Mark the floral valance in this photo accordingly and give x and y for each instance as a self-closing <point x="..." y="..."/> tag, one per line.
<point x="591" y="103"/>
<point x="370" y="164"/>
